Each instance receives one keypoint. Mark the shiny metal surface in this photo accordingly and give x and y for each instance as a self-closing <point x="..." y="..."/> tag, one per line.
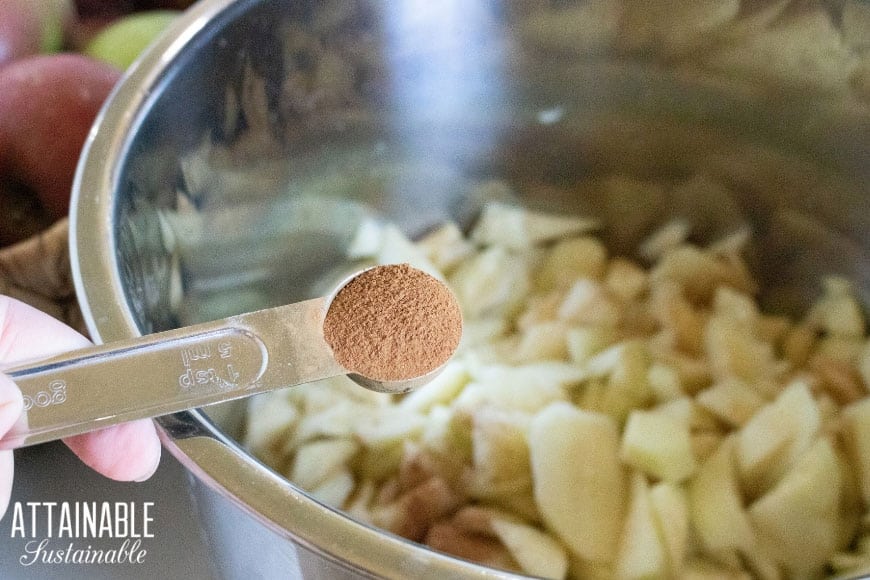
<point x="171" y="371"/>
<point x="448" y="96"/>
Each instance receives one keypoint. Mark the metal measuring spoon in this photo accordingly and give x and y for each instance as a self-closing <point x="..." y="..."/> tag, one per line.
<point x="181" y="369"/>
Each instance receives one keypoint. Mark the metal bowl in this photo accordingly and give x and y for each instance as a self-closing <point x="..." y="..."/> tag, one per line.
<point x="230" y="166"/>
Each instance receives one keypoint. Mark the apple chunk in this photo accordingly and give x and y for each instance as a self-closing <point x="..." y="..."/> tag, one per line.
<point x="798" y="520"/>
<point x="716" y="506"/>
<point x="642" y="554"/>
<point x="536" y="552"/>
<point x="857" y="416"/>
<point x="670" y="507"/>
<point x="771" y="440"/>
<point x="578" y="480"/>
<point x="658" y="444"/>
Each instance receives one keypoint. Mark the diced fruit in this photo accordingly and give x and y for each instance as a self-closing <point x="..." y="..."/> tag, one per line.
<point x="442" y="389"/>
<point x="798" y="520"/>
<point x="536" y="552"/>
<point x="336" y="489"/>
<point x="658" y="444"/>
<point x="776" y="435"/>
<point x="570" y="260"/>
<point x="670" y="508"/>
<point x="585" y="341"/>
<point x="516" y="228"/>
<point x="122" y="41"/>
<point x="581" y="500"/>
<point x="318" y="461"/>
<point x="493" y="281"/>
<point x="500" y="446"/>
<point x="642" y="555"/>
<point x="857" y="434"/>
<point x="716" y="506"/>
<point x="732" y="401"/>
<point x="627" y="385"/>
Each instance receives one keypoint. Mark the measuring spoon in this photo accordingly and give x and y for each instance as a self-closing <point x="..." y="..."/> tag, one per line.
<point x="181" y="369"/>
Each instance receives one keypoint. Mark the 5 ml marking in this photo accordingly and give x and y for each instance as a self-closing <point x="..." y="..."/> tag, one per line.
<point x="55" y="395"/>
<point x="205" y="373"/>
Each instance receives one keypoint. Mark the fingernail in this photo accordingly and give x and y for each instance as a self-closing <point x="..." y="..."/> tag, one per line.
<point x="153" y="469"/>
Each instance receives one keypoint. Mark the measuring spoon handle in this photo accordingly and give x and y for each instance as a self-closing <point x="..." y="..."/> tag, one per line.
<point x="170" y="371"/>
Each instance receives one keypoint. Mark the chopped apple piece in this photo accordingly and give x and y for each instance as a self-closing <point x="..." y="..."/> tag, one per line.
<point x="336" y="489"/>
<point x="584" y="342"/>
<point x="396" y="248"/>
<point x="587" y="303"/>
<point x="670" y="508"/>
<point x="581" y="500"/>
<point x="440" y="390"/>
<point x="857" y="432"/>
<point x="658" y="444"/>
<point x="716" y="506"/>
<point x="542" y="341"/>
<point x="642" y="555"/>
<point x="625" y="279"/>
<point x="664" y="382"/>
<point x="732" y="401"/>
<point x="517" y="228"/>
<point x="627" y="385"/>
<point x="445" y="246"/>
<point x="781" y="431"/>
<point x="492" y="282"/>
<point x="317" y="461"/>
<point x="537" y="553"/>
<point x="570" y="260"/>
<point x="500" y="446"/>
<point x="798" y="519"/>
<point x="273" y="415"/>
<point x="838" y="312"/>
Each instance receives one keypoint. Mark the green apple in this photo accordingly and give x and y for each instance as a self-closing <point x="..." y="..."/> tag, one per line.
<point x="122" y="41"/>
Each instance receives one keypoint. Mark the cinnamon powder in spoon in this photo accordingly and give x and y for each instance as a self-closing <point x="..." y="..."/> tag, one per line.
<point x="393" y="323"/>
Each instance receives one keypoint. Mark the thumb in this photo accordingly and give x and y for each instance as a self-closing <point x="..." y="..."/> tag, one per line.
<point x="11" y="405"/>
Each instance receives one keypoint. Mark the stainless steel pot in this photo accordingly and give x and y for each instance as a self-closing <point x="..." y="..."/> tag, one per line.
<point x="230" y="165"/>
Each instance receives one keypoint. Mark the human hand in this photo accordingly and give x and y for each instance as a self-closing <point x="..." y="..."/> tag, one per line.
<point x="127" y="452"/>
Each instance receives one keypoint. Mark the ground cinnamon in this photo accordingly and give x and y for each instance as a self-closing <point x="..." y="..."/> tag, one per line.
<point x="393" y="323"/>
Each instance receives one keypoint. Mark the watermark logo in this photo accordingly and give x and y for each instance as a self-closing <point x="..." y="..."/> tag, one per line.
<point x="65" y="532"/>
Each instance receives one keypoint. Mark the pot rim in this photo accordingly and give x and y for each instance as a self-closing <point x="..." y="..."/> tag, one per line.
<point x="219" y="461"/>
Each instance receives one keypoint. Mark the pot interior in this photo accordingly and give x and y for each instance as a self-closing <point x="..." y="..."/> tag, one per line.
<point x="274" y="135"/>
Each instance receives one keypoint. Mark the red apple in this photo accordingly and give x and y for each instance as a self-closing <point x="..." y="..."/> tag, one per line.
<point x="47" y="106"/>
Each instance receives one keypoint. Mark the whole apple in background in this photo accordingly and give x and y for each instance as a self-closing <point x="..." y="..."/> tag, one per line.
<point x="32" y="26"/>
<point x="121" y="42"/>
<point x="47" y="106"/>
